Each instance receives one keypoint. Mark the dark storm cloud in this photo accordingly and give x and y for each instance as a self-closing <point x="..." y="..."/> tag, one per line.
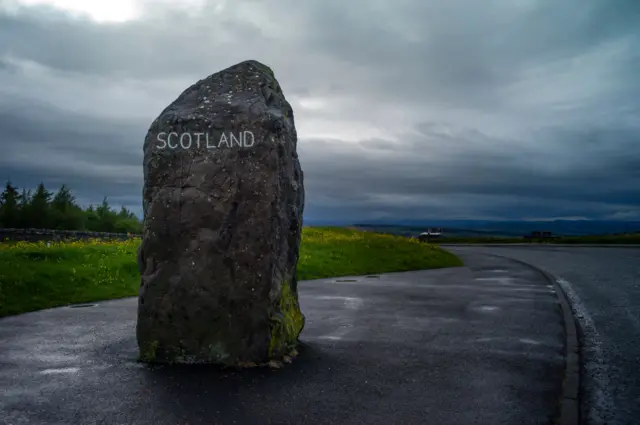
<point x="95" y="157"/>
<point x="405" y="109"/>
<point x="595" y="182"/>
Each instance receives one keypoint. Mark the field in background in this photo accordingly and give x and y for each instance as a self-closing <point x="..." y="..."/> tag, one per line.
<point x="34" y="276"/>
<point x="452" y="236"/>
<point x="569" y="240"/>
<point x="512" y="228"/>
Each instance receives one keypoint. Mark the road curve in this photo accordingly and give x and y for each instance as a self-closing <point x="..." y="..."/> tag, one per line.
<point x="603" y="285"/>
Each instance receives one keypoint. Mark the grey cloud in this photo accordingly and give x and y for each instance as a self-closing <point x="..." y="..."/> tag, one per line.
<point x="581" y="180"/>
<point x="482" y="109"/>
<point x="467" y="51"/>
<point x="94" y="157"/>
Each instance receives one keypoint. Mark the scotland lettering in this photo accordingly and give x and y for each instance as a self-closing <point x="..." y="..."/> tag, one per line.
<point x="173" y="140"/>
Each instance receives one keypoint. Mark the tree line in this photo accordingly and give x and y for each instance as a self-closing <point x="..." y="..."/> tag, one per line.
<point x="43" y="209"/>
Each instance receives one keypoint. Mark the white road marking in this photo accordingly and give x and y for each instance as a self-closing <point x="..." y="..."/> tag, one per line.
<point x="601" y="407"/>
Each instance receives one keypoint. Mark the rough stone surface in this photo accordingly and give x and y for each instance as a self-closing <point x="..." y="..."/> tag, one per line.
<point x="223" y="217"/>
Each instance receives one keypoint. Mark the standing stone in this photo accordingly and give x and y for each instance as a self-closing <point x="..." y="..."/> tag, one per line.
<point x="223" y="201"/>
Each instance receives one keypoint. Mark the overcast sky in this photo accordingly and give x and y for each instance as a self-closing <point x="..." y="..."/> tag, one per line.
<point x="493" y="109"/>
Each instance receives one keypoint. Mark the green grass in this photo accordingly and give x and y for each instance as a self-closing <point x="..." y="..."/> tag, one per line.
<point x="331" y="251"/>
<point x="631" y="238"/>
<point x="34" y="276"/>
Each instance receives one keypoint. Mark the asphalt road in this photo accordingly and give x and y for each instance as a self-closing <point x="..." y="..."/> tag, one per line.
<point x="603" y="285"/>
<point x="481" y="344"/>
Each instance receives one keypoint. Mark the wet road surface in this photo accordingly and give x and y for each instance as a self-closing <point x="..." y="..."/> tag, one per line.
<point x="603" y="286"/>
<point x="482" y="344"/>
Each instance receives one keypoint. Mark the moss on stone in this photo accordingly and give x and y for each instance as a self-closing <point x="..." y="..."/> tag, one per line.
<point x="287" y="325"/>
<point x="269" y="71"/>
<point x="148" y="353"/>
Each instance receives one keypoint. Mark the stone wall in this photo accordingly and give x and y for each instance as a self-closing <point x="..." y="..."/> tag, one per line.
<point x="35" y="235"/>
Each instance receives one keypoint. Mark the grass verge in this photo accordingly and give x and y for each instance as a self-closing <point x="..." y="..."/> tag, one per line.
<point x="34" y="276"/>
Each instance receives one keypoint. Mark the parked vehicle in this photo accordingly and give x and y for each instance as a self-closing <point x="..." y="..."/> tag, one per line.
<point x="431" y="233"/>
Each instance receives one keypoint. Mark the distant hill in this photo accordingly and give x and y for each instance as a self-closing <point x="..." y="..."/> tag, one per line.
<point x="477" y="228"/>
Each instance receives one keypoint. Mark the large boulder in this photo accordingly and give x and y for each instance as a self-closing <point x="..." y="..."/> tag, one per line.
<point x="223" y="201"/>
